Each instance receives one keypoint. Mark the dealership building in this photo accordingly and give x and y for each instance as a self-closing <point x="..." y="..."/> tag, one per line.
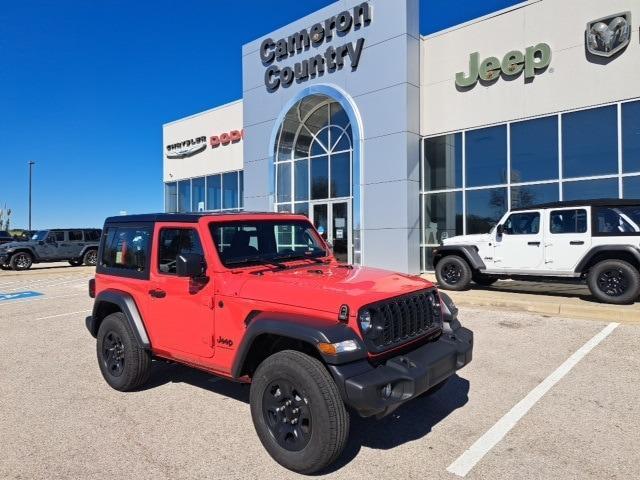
<point x="390" y="141"/>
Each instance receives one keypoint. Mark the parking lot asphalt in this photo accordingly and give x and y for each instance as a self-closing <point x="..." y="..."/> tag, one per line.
<point x="59" y="419"/>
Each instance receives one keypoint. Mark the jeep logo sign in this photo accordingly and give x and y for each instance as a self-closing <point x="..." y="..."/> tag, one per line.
<point x="533" y="59"/>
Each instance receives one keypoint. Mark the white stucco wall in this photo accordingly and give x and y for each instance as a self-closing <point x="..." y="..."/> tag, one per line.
<point x="570" y="82"/>
<point x="214" y="122"/>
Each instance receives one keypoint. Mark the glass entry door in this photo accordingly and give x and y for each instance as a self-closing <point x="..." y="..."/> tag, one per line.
<point x="333" y="222"/>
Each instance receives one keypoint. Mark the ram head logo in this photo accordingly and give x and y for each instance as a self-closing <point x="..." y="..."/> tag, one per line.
<point x="608" y="35"/>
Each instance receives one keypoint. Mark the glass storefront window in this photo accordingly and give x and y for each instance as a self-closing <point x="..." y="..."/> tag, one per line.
<point x="443" y="162"/>
<point x="301" y="176"/>
<point x="214" y="193"/>
<point x="340" y="175"/>
<point x="184" y="196"/>
<point x="283" y="182"/>
<point x="526" y="195"/>
<point x="319" y="178"/>
<point x="631" y="187"/>
<point x="631" y="137"/>
<point x="241" y="192"/>
<point x="590" y="142"/>
<point x="197" y="195"/>
<point x="171" y="197"/>
<point x="485" y="208"/>
<point x="486" y="156"/>
<point x="534" y="150"/>
<point x="443" y="216"/>
<point x="230" y="190"/>
<point x="589" y="189"/>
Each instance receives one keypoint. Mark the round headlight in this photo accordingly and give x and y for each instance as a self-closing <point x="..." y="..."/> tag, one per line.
<point x="365" y="320"/>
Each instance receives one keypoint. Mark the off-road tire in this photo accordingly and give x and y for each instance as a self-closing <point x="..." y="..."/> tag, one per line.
<point x="136" y="360"/>
<point x="614" y="281"/>
<point x="21" y="261"/>
<point x="75" y="263"/>
<point x="484" y="280"/>
<point x="90" y="258"/>
<point x="329" y="425"/>
<point x="453" y="273"/>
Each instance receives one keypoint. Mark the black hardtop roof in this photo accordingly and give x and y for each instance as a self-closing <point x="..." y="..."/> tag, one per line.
<point x="63" y="228"/>
<point x="595" y="202"/>
<point x="182" y="217"/>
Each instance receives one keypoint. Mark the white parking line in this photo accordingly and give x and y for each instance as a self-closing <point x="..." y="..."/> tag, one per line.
<point x="63" y="315"/>
<point x="465" y="462"/>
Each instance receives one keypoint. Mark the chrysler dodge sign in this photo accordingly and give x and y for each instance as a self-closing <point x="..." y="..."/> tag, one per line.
<point x="332" y="59"/>
<point x="192" y="146"/>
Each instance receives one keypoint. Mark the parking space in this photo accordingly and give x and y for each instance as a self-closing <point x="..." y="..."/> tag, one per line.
<point x="60" y="419"/>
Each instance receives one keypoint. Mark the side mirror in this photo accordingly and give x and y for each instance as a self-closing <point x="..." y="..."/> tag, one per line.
<point x="500" y="230"/>
<point x="191" y="265"/>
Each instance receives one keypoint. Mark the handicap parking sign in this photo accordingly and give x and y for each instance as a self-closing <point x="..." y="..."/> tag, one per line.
<point x="18" y="295"/>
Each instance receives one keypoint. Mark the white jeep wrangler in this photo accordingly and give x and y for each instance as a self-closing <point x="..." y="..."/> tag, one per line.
<point x="594" y="240"/>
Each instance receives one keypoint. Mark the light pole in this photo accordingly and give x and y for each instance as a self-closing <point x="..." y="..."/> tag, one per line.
<point x="31" y="164"/>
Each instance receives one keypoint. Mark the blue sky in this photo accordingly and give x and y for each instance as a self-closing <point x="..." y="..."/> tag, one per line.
<point x="85" y="87"/>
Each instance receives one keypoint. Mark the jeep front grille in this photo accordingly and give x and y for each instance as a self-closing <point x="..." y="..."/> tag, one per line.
<point x="398" y="320"/>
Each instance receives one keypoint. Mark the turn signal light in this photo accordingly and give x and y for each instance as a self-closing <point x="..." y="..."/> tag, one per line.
<point x="336" y="348"/>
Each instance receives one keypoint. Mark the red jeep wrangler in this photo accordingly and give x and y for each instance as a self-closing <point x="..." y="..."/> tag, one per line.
<point x="259" y="298"/>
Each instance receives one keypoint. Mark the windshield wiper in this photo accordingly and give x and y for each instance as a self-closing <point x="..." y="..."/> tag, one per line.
<point x="297" y="256"/>
<point x="255" y="259"/>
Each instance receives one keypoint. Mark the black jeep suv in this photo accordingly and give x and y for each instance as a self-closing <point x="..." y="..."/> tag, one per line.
<point x="77" y="246"/>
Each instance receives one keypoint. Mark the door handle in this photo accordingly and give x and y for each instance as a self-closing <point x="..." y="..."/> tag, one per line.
<point x="576" y="242"/>
<point x="157" y="293"/>
<point x="536" y="244"/>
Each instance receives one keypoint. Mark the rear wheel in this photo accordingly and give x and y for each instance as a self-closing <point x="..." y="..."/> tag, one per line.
<point x="614" y="281"/>
<point x="90" y="258"/>
<point x="21" y="261"/>
<point x="297" y="412"/>
<point x="453" y="273"/>
<point x="124" y="365"/>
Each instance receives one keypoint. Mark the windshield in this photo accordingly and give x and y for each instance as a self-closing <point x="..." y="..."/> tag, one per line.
<point x="39" y="235"/>
<point x="265" y="242"/>
<point x="618" y="220"/>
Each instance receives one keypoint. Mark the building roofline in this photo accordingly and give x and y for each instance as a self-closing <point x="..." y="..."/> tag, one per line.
<point x="219" y="107"/>
<point x="517" y="6"/>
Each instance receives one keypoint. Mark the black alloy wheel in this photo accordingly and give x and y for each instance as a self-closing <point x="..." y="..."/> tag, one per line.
<point x="21" y="261"/>
<point x="287" y="415"/>
<point x="451" y="273"/>
<point x="113" y="354"/>
<point x="613" y="282"/>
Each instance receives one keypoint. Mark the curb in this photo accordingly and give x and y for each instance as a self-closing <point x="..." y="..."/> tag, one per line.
<point x="629" y="316"/>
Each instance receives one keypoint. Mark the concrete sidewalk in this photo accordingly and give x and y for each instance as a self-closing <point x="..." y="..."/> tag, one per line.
<point x="545" y="298"/>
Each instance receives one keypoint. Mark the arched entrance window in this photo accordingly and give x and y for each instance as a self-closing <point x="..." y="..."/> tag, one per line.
<point x="313" y="156"/>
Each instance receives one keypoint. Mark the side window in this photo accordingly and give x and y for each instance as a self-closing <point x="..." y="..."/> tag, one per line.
<point x="58" y="236"/>
<point x="622" y="220"/>
<point x="173" y="242"/>
<point x="126" y="248"/>
<point x="92" y="235"/>
<point x="522" y="224"/>
<point x="75" y="235"/>
<point x="568" y="221"/>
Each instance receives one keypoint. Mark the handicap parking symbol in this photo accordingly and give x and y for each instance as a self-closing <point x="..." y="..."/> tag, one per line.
<point x="18" y="295"/>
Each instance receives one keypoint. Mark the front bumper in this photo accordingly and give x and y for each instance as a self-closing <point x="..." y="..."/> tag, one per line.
<point x="4" y="258"/>
<point x="410" y="374"/>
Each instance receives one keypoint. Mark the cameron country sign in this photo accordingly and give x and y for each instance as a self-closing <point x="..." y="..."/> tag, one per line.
<point x="334" y="58"/>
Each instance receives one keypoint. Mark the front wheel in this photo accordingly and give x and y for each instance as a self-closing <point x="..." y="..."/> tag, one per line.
<point x="21" y="261"/>
<point x="453" y="273"/>
<point x="75" y="263"/>
<point x="297" y="412"/>
<point x="614" y="281"/>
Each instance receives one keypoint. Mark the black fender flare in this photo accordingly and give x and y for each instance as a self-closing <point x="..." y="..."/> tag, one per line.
<point x="127" y="305"/>
<point x="307" y="329"/>
<point x="628" y="249"/>
<point x="468" y="252"/>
